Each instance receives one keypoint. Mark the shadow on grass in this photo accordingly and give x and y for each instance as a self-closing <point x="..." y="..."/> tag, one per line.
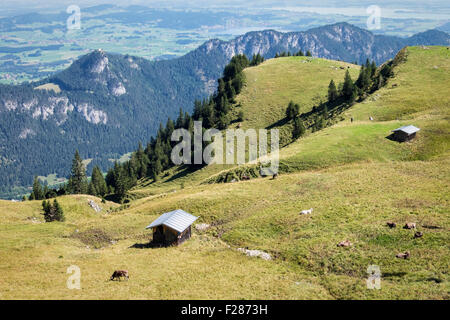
<point x="392" y="138"/>
<point x="394" y="274"/>
<point x="184" y="171"/>
<point x="279" y="123"/>
<point x="148" y="245"/>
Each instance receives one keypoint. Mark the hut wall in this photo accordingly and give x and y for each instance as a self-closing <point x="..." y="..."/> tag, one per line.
<point x="402" y="136"/>
<point x="171" y="236"/>
<point x="167" y="237"/>
<point x="186" y="234"/>
<point x="158" y="235"/>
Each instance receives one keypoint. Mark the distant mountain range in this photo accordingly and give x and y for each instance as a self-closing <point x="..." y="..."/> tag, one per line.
<point x="104" y="103"/>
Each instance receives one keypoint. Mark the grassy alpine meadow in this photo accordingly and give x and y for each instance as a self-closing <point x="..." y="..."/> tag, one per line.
<point x="352" y="202"/>
<point x="353" y="177"/>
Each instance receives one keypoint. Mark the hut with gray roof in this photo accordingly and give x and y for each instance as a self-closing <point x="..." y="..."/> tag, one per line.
<point x="172" y="228"/>
<point x="405" y="133"/>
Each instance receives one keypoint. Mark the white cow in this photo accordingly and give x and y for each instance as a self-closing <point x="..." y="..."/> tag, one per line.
<point x="306" y="211"/>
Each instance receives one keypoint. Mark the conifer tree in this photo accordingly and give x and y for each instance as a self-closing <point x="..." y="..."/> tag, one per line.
<point x="332" y="92"/>
<point x="180" y="120"/>
<point x="58" y="211"/>
<point x="52" y="212"/>
<point x="299" y="128"/>
<point x="37" y="193"/>
<point x="91" y="189"/>
<point x="77" y="179"/>
<point x="348" y="89"/>
<point x="292" y="110"/>
<point x="373" y="69"/>
<point x="99" y="182"/>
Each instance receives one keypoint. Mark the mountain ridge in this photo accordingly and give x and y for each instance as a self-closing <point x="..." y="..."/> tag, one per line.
<point x="108" y="102"/>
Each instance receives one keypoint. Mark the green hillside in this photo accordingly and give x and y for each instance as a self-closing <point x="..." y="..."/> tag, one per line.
<point x="353" y="177"/>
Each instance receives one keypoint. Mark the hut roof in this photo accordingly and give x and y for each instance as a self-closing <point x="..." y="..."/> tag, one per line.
<point x="407" y="129"/>
<point x="177" y="220"/>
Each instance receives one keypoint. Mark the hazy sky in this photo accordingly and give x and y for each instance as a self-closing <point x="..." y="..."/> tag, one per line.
<point x="434" y="9"/>
<point x="57" y="4"/>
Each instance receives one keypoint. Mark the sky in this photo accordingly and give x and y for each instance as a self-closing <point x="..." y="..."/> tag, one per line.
<point x="17" y="5"/>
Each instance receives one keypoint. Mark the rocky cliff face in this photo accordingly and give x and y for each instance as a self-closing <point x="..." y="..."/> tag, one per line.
<point x="340" y="41"/>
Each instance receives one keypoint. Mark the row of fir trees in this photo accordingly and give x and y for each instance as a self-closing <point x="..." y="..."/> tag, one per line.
<point x="346" y="93"/>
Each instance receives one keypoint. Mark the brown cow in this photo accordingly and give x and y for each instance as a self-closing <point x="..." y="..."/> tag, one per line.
<point x="391" y="224"/>
<point x="120" y="273"/>
<point x="403" y="255"/>
<point x="344" y="243"/>
<point x="410" y="225"/>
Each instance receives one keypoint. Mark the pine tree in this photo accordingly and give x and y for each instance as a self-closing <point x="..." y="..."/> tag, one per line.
<point x="319" y="123"/>
<point x="142" y="161"/>
<point x="110" y="181"/>
<point x="99" y="182"/>
<point x="37" y="193"/>
<point x="91" y="189"/>
<point x="348" y="89"/>
<point x="46" y="206"/>
<point x="373" y="69"/>
<point x="77" y="179"/>
<point x="308" y="53"/>
<point x="45" y="192"/>
<point x="292" y="110"/>
<point x="363" y="81"/>
<point x="332" y="92"/>
<point x="121" y="181"/>
<point x="180" y="120"/>
<point x="325" y="111"/>
<point x="52" y="212"/>
<point x="58" y="211"/>
<point x="299" y="128"/>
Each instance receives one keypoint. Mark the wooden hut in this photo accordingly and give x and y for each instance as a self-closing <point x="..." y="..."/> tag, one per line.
<point x="172" y="228"/>
<point x="405" y="133"/>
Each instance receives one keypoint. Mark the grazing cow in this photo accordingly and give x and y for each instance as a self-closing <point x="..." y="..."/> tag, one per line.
<point x="391" y="224"/>
<point x="418" y="234"/>
<point x="345" y="243"/>
<point x="403" y="255"/>
<point x="120" y="274"/>
<point x="307" y="211"/>
<point x="409" y="225"/>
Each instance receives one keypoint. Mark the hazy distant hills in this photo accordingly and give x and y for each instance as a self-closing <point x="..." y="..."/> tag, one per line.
<point x="104" y="103"/>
